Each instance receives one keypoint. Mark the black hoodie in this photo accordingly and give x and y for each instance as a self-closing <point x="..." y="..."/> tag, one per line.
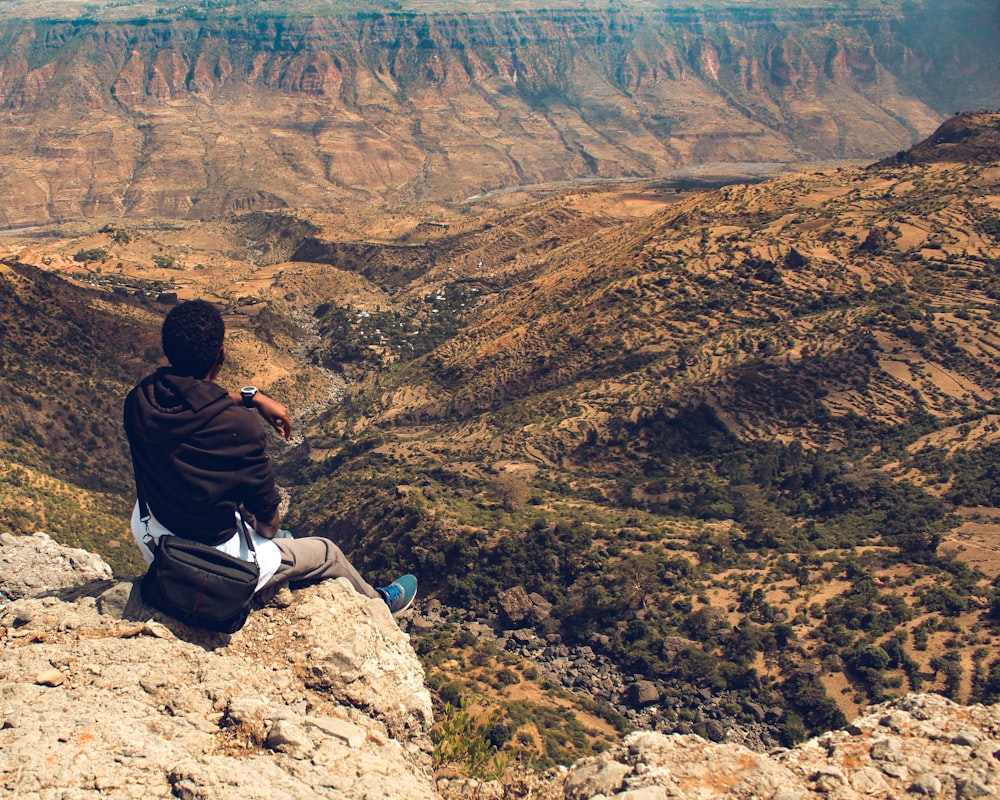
<point x="198" y="456"/>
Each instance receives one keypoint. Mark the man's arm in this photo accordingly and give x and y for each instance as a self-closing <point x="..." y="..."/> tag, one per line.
<point x="274" y="413"/>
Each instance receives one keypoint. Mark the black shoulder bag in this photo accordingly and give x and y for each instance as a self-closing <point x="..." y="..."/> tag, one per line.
<point x="198" y="584"/>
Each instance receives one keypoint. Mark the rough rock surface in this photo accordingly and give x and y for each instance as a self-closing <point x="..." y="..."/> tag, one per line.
<point x="321" y="696"/>
<point x="919" y="745"/>
<point x="34" y="565"/>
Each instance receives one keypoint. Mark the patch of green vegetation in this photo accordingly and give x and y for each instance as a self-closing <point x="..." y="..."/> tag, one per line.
<point x="627" y="555"/>
<point x="149" y="287"/>
<point x="165" y="262"/>
<point x="67" y="366"/>
<point x="30" y="502"/>
<point x="465" y="672"/>
<point x="94" y="254"/>
<point x="354" y="336"/>
<point x="462" y="743"/>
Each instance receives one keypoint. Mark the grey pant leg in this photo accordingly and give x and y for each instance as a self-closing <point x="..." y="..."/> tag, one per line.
<point x="313" y="558"/>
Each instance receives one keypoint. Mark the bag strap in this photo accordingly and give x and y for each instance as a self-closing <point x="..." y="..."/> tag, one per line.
<point x="144" y="513"/>
<point x="249" y="540"/>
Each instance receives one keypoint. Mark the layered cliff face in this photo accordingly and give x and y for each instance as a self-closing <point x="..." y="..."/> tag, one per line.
<point x="197" y="118"/>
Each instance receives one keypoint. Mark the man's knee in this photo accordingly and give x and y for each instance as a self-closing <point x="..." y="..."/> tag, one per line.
<point x="309" y="552"/>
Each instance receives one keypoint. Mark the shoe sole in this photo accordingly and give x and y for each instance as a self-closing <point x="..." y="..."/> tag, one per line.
<point x="401" y="610"/>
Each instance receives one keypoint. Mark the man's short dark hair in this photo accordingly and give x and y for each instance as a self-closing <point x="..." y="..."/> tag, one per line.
<point x="193" y="333"/>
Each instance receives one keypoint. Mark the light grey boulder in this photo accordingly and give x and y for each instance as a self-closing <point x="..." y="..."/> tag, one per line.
<point x="599" y="777"/>
<point x="36" y="565"/>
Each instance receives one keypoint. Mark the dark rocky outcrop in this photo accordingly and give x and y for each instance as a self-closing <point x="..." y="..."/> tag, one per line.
<point x="969" y="137"/>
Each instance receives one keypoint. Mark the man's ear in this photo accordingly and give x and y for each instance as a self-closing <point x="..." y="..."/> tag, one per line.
<point x="219" y="361"/>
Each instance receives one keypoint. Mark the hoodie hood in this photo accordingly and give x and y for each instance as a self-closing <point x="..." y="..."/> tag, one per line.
<point x="167" y="407"/>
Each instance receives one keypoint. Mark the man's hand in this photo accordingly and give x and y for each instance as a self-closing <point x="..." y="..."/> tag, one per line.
<point x="270" y="528"/>
<point x="274" y="413"/>
<point x="271" y="410"/>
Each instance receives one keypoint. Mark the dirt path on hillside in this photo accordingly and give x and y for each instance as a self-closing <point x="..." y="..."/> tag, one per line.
<point x="977" y="541"/>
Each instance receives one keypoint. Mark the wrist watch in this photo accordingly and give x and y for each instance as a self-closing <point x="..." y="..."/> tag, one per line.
<point x="248" y="393"/>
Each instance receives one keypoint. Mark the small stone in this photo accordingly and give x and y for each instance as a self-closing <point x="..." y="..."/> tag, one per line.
<point x="157" y="629"/>
<point x="154" y="682"/>
<point x="653" y="792"/>
<point x="966" y="739"/>
<point x="827" y="779"/>
<point x="606" y="778"/>
<point x="351" y="735"/>
<point x="243" y="710"/>
<point x="423" y="624"/>
<point x="895" y="721"/>
<point x="283" y="598"/>
<point x="868" y="780"/>
<point x="50" y="677"/>
<point x="886" y="750"/>
<point x="22" y="617"/>
<point x="926" y="784"/>
<point x="288" y="737"/>
<point x="329" y="753"/>
<point x="970" y="787"/>
<point x="112" y="602"/>
<point x="897" y="771"/>
<point x="643" y="693"/>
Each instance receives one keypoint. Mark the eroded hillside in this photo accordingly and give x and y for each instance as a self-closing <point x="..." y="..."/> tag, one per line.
<point x="743" y="443"/>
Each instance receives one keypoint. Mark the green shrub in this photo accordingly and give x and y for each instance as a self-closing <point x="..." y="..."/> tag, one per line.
<point x="94" y="254"/>
<point x="463" y="744"/>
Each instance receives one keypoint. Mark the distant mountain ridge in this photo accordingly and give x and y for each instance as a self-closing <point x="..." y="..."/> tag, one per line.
<point x="972" y="137"/>
<point x="197" y="116"/>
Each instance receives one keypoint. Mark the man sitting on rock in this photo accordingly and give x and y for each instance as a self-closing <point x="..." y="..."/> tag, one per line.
<point x="201" y="466"/>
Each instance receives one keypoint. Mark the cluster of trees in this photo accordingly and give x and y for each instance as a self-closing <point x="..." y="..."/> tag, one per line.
<point x="350" y="336"/>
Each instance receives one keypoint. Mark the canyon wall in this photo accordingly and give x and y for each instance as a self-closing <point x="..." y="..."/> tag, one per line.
<point x="193" y="118"/>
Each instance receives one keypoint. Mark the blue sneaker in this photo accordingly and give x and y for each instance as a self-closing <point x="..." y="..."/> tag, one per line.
<point x="399" y="594"/>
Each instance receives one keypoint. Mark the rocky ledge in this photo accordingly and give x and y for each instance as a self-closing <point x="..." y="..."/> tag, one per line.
<point x="321" y="695"/>
<point x="917" y="746"/>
